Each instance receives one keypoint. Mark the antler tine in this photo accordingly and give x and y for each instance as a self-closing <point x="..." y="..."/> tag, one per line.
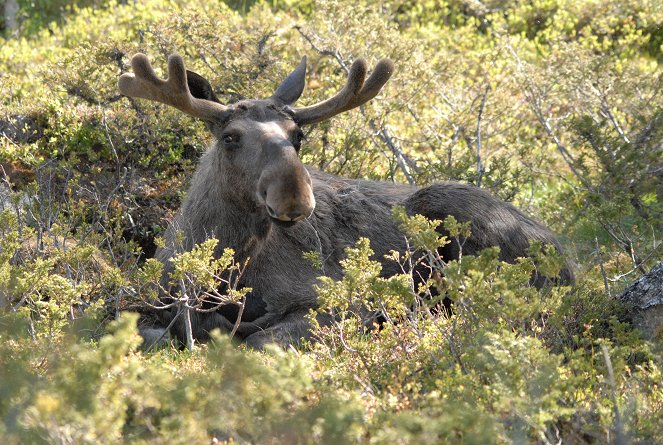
<point x="367" y="91"/>
<point x="330" y="107"/>
<point x="378" y="78"/>
<point x="173" y="91"/>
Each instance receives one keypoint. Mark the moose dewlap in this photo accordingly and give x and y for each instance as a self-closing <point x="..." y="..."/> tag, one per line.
<point x="252" y="193"/>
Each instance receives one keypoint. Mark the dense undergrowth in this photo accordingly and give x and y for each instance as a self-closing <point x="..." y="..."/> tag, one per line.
<point x="553" y="104"/>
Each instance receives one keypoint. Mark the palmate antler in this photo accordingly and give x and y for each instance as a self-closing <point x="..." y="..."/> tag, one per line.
<point x="173" y="91"/>
<point x="355" y="93"/>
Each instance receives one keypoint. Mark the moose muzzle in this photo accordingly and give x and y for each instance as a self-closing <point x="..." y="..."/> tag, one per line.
<point x="285" y="187"/>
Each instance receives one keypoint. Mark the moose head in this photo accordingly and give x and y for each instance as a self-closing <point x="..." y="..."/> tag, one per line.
<point x="258" y="141"/>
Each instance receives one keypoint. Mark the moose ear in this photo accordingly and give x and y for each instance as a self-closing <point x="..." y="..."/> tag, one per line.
<point x="199" y="87"/>
<point x="292" y="87"/>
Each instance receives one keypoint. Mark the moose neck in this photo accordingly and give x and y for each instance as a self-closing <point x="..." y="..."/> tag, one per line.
<point x="212" y="209"/>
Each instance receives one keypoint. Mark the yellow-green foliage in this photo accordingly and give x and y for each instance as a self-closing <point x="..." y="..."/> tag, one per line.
<point x="562" y="97"/>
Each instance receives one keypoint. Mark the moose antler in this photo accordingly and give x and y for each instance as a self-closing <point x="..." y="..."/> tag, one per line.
<point x="172" y="91"/>
<point x="354" y="94"/>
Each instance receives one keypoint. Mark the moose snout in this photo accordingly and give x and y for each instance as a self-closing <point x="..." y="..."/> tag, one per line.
<point x="288" y="196"/>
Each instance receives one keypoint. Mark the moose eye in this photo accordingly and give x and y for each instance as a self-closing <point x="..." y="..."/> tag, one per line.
<point x="298" y="137"/>
<point x="230" y="138"/>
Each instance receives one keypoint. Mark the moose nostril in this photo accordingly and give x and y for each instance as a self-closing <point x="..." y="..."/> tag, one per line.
<point x="271" y="211"/>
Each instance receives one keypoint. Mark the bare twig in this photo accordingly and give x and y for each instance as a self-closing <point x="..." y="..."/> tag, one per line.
<point x="110" y="142"/>
<point x="188" y="328"/>
<point x="534" y="99"/>
<point x="349" y="348"/>
<point x="481" y="108"/>
<point x="167" y="329"/>
<point x="381" y="131"/>
<point x="620" y="438"/>
<point x="605" y="109"/>
<point x="238" y="321"/>
<point x="603" y="274"/>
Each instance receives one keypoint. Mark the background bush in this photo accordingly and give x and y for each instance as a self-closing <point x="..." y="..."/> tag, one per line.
<point x="554" y="105"/>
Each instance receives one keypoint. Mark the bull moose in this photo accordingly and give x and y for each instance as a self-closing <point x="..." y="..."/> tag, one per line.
<point x="252" y="192"/>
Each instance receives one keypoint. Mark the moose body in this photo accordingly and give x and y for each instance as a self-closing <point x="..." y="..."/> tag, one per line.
<point x="253" y="194"/>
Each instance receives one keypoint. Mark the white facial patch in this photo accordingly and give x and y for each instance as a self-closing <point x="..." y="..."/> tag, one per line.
<point x="271" y="129"/>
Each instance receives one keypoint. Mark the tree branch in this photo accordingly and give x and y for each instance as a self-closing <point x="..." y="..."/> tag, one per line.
<point x="481" y="108"/>
<point x="381" y="131"/>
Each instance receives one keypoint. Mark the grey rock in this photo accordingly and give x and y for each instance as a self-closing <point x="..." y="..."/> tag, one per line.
<point x="5" y="201"/>
<point x="17" y="202"/>
<point x="645" y="296"/>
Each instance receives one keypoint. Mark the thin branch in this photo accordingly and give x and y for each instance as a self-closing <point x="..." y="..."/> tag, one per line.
<point x="534" y="99"/>
<point x="619" y="427"/>
<point x="603" y="274"/>
<point x="187" y="318"/>
<point x="481" y="108"/>
<point x="167" y="329"/>
<point x="381" y="131"/>
<point x="605" y="108"/>
<point x="238" y="321"/>
<point x="325" y="52"/>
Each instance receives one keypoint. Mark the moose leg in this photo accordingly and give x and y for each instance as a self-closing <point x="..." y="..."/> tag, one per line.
<point x="288" y="330"/>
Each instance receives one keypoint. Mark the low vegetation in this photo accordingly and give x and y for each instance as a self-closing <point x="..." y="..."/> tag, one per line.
<point x="554" y="105"/>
